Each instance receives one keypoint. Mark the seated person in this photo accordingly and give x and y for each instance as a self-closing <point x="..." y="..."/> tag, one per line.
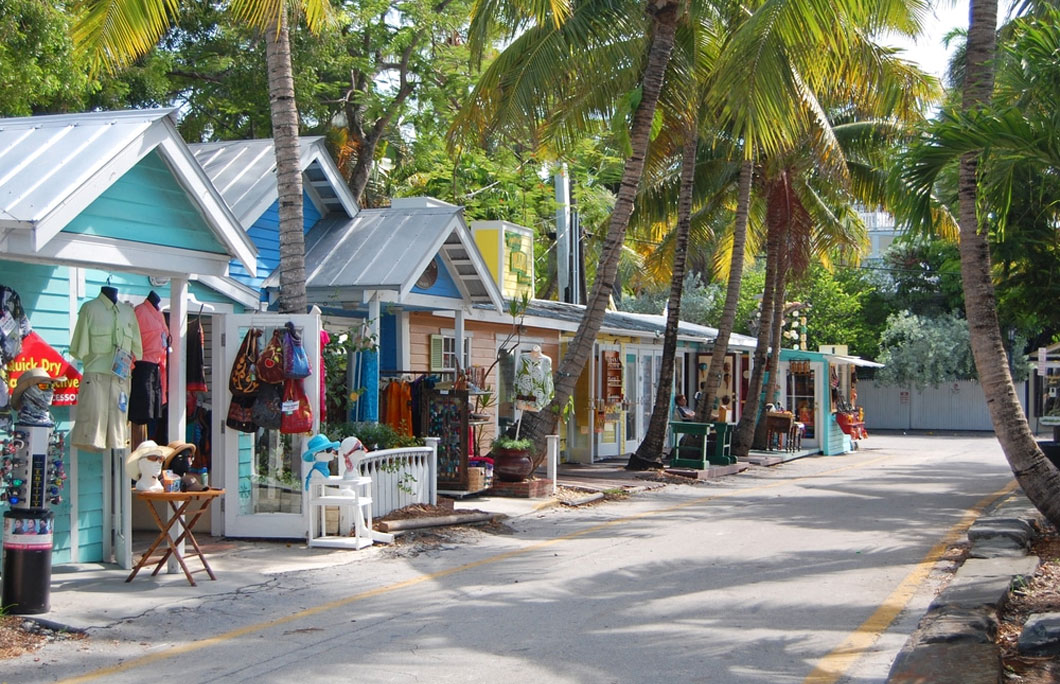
<point x="681" y="409"/>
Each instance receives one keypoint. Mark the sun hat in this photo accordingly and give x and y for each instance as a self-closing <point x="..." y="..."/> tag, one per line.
<point x="147" y="449"/>
<point x="174" y="449"/>
<point x="318" y="443"/>
<point x="27" y="380"/>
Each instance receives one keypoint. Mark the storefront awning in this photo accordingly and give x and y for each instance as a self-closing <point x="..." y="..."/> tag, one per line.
<point x="852" y="361"/>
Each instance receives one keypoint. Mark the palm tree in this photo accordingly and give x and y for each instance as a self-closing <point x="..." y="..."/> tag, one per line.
<point x="650" y="449"/>
<point x="116" y="32"/>
<point x="494" y="101"/>
<point x="966" y="135"/>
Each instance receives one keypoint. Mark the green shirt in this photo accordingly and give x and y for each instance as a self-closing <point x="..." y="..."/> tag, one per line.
<point x="102" y="328"/>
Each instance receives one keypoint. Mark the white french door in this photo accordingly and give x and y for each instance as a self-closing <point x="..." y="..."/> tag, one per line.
<point x="263" y="472"/>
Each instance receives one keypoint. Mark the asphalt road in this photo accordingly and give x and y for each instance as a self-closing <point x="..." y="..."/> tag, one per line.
<point x="813" y="571"/>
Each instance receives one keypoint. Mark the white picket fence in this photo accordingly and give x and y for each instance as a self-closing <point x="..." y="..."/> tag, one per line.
<point x="950" y="406"/>
<point x="402" y="477"/>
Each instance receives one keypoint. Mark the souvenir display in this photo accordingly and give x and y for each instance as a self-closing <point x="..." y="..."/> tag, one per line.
<point x="263" y="397"/>
<point x="14" y="327"/>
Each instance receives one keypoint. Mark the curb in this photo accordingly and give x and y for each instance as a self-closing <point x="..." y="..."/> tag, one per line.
<point x="954" y="641"/>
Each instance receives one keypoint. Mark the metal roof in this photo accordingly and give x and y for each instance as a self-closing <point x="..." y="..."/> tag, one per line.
<point x="53" y="167"/>
<point x="627" y="323"/>
<point x="388" y="249"/>
<point x="244" y="172"/>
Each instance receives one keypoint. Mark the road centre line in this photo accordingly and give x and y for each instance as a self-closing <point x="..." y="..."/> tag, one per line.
<point x="190" y="647"/>
<point x="836" y="664"/>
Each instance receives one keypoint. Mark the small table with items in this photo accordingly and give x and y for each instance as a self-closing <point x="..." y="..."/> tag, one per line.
<point x="780" y="427"/>
<point x="179" y="503"/>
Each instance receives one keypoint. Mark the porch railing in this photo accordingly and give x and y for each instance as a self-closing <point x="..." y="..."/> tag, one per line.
<point x="401" y="477"/>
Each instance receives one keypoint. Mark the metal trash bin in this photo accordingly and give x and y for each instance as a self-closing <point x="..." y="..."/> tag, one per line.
<point x="27" y="570"/>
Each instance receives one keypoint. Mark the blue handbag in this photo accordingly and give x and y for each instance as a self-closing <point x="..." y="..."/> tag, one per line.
<point x="295" y="361"/>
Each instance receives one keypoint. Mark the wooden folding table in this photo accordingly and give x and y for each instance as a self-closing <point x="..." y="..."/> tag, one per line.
<point x="178" y="502"/>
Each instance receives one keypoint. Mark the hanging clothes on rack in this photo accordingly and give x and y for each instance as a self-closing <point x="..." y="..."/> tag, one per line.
<point x="397" y="406"/>
<point x="195" y="356"/>
<point x="325" y="338"/>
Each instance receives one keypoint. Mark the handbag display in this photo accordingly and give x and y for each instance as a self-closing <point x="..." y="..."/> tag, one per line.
<point x="244" y="377"/>
<point x="295" y="361"/>
<point x="270" y="361"/>
<point x="297" y="413"/>
<point x="240" y="414"/>
<point x="267" y="409"/>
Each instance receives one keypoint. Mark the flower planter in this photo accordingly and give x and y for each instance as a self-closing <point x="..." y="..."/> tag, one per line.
<point x="512" y="465"/>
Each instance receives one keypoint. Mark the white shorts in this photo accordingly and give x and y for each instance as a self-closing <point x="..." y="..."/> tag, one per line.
<point x="101" y="423"/>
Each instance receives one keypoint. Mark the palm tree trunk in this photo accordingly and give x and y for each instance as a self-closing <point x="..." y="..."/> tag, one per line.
<point x="773" y="365"/>
<point x="537" y="426"/>
<point x="288" y="167"/>
<point x="1035" y="474"/>
<point x="744" y="435"/>
<point x="732" y="297"/>
<point x="649" y="453"/>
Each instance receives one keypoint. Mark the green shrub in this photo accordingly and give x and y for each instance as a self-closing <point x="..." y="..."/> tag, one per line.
<point x="375" y="436"/>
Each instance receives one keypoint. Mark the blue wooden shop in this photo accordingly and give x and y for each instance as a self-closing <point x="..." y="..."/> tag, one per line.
<point x="111" y="199"/>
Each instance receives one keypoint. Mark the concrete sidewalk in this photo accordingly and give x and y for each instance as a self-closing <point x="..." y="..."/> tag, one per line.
<point x="92" y="595"/>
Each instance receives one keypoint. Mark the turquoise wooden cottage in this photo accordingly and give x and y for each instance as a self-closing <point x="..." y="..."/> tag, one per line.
<point x="114" y="198"/>
<point x="813" y="386"/>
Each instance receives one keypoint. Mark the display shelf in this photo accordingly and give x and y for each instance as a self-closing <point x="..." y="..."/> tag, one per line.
<point x="612" y="377"/>
<point x="446" y="416"/>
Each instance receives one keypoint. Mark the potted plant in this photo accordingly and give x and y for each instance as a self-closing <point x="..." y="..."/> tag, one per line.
<point x="512" y="461"/>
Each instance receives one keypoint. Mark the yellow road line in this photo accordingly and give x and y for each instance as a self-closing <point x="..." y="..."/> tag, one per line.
<point x="834" y="665"/>
<point x="179" y="650"/>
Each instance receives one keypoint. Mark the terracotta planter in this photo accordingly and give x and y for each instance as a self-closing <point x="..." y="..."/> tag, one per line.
<point x="512" y="465"/>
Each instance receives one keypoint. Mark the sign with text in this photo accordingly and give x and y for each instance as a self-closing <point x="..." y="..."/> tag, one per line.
<point x="36" y="353"/>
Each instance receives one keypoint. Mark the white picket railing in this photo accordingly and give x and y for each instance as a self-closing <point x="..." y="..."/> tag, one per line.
<point x="401" y="477"/>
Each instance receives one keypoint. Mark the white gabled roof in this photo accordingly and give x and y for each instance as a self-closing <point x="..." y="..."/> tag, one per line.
<point x="244" y="172"/>
<point x="53" y="167"/>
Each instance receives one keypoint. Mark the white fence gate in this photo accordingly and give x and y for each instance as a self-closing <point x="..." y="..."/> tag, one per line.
<point x="950" y="406"/>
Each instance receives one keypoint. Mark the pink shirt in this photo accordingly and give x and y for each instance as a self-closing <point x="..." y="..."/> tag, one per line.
<point x="154" y="333"/>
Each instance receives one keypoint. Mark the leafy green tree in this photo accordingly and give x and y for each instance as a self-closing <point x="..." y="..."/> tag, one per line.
<point x="919" y="351"/>
<point x="116" y="32"/>
<point x="835" y="315"/>
<point x="38" y="71"/>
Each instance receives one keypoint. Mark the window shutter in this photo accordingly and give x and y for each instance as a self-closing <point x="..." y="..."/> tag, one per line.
<point x="437" y="363"/>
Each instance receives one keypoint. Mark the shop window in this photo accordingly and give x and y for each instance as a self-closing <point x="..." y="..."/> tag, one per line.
<point x="443" y="352"/>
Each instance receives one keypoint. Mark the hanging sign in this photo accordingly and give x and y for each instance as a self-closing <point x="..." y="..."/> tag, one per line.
<point x="36" y="353"/>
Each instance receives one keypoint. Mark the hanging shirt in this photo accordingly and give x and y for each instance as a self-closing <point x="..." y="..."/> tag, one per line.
<point x="103" y="327"/>
<point x="154" y="336"/>
<point x="325" y="338"/>
<point x="195" y="358"/>
<point x="154" y="333"/>
<point x="533" y="383"/>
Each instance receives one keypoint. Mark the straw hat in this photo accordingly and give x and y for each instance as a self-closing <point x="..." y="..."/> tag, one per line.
<point x="27" y="380"/>
<point x="147" y="449"/>
<point x="174" y="449"/>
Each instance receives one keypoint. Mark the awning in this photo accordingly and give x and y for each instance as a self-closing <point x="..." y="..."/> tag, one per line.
<point x="852" y="361"/>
